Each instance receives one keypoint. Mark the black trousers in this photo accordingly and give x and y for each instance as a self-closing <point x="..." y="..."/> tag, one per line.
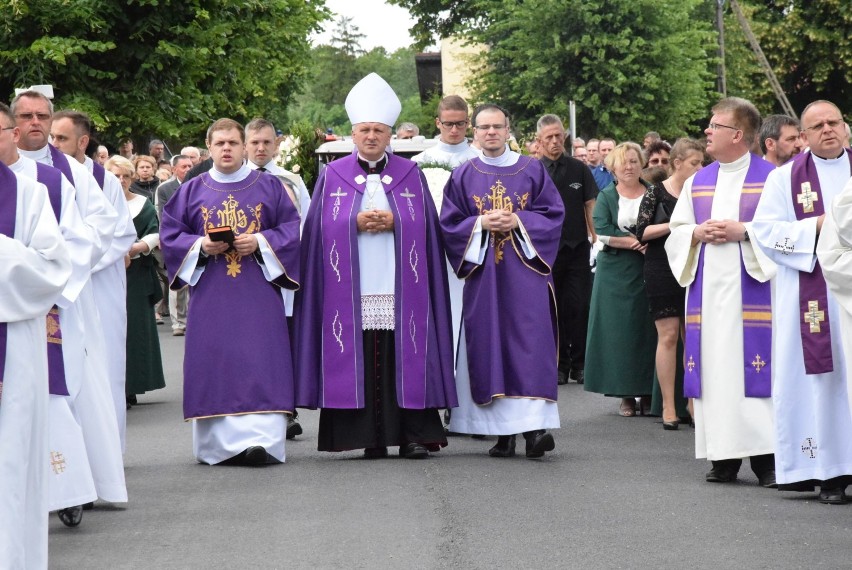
<point x="572" y="278"/>
<point x="381" y="422"/>
<point x="760" y="464"/>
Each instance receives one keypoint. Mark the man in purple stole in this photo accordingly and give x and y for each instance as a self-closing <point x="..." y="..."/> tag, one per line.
<point x="728" y="347"/>
<point x="813" y="425"/>
<point x="373" y="338"/>
<point x="238" y="372"/>
<point x="36" y="266"/>
<point x="502" y="223"/>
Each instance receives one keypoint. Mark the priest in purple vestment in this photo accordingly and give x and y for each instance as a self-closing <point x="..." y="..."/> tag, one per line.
<point x="232" y="235"/>
<point x="502" y="223"/>
<point x="373" y="342"/>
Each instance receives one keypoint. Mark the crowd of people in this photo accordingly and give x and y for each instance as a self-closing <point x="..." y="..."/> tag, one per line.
<point x="705" y="282"/>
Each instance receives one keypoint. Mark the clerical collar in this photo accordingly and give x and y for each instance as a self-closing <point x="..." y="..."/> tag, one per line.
<point x="839" y="156"/>
<point x="373" y="166"/>
<point x="236" y="176"/>
<point x="508" y="158"/>
<point x="453" y="148"/>
<point x="738" y="164"/>
<point x="37" y="155"/>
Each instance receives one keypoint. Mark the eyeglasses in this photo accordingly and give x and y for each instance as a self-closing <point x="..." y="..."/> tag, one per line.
<point x="715" y="126"/>
<point x="833" y="124"/>
<point x="658" y="161"/>
<point x="29" y="116"/>
<point x="484" y="128"/>
<point x="8" y="128"/>
<point x="450" y="125"/>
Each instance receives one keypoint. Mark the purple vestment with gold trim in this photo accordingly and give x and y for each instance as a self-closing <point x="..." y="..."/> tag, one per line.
<point x="237" y="358"/>
<point x="509" y="307"/>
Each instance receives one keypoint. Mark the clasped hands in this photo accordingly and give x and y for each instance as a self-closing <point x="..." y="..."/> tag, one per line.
<point x="501" y="221"/>
<point x="375" y="221"/>
<point x="244" y="244"/>
<point x="717" y="232"/>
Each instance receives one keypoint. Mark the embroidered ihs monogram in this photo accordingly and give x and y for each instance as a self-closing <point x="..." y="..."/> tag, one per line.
<point x="233" y="215"/>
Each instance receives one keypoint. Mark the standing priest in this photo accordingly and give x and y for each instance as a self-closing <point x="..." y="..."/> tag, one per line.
<point x="373" y="338"/>
<point x="33" y="274"/>
<point x="813" y="426"/>
<point x="232" y="235"/>
<point x="502" y="222"/>
<point x="728" y="347"/>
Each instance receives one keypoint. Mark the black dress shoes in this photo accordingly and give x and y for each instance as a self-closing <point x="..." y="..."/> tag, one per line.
<point x="578" y="375"/>
<point x="375" y="452"/>
<point x="671" y="426"/>
<point x="538" y="442"/>
<point x="72" y="516"/>
<point x="833" y="496"/>
<point x="505" y="447"/>
<point x="413" y="451"/>
<point x="255" y="456"/>
<point x="722" y="472"/>
<point x="563" y="378"/>
<point x="294" y="428"/>
<point x="767" y="479"/>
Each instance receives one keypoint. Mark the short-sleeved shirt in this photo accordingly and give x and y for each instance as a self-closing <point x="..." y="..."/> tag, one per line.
<point x="576" y="186"/>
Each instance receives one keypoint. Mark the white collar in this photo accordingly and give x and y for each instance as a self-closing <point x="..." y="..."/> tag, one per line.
<point x="236" y="176"/>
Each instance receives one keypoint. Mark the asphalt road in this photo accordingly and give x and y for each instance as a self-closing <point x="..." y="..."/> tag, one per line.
<point x="616" y="493"/>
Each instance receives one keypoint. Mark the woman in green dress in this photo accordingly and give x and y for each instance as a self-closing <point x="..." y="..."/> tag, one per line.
<point x="621" y="341"/>
<point x="144" y="362"/>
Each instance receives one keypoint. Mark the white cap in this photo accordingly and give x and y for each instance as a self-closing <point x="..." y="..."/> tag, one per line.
<point x="372" y="100"/>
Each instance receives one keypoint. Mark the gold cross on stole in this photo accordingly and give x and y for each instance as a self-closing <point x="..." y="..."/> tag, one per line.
<point x="814" y="316"/>
<point x="758" y="363"/>
<point x="57" y="462"/>
<point x="807" y="198"/>
<point x="690" y="363"/>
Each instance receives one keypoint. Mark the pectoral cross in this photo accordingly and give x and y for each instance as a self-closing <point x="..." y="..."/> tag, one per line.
<point x="57" y="462"/>
<point x="807" y="198"/>
<point x="758" y="363"/>
<point x="690" y="364"/>
<point x="785" y="248"/>
<point x="814" y="316"/>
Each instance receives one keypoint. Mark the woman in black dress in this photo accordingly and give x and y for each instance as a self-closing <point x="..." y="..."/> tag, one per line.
<point x="666" y="298"/>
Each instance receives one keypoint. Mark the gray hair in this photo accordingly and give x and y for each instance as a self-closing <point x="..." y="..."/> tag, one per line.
<point x="30" y="94"/>
<point x="547" y="121"/>
<point x="771" y="128"/>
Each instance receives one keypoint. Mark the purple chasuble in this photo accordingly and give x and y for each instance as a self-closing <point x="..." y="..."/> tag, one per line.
<point x="52" y="179"/>
<point x="756" y="296"/>
<point x="99" y="173"/>
<point x="60" y="161"/>
<point x="237" y="358"/>
<point x="509" y="307"/>
<point x="815" y="328"/>
<point x="329" y="337"/>
<point x="8" y="214"/>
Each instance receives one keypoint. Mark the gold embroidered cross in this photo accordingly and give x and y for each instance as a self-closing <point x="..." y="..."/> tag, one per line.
<point x="57" y="462"/>
<point x="758" y="363"/>
<point x="807" y="198"/>
<point x="814" y="316"/>
<point x="690" y="363"/>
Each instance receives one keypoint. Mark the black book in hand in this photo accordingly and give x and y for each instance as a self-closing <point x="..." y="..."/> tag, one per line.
<point x="221" y="233"/>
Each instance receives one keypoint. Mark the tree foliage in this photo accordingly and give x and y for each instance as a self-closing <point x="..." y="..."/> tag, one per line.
<point x="807" y="45"/>
<point x="162" y="68"/>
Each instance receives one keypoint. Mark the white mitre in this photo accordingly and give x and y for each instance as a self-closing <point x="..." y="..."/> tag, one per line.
<point x="372" y="100"/>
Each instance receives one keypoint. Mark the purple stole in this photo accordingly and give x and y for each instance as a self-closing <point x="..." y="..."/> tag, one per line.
<point x="60" y="161"/>
<point x="52" y="179"/>
<point x="8" y="213"/>
<point x="814" y="328"/>
<point x="99" y="173"/>
<point x="757" y="303"/>
<point x="342" y="338"/>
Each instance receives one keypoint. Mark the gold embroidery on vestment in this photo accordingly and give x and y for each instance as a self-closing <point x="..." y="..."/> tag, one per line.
<point x="232" y="215"/>
<point x="814" y="316"/>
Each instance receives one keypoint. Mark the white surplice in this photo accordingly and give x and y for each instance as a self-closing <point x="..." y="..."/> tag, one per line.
<point x="452" y="155"/>
<point x="93" y="404"/>
<point x="34" y="269"/>
<point x="69" y="474"/>
<point x="502" y="416"/>
<point x="109" y="283"/>
<point x="835" y="256"/>
<point x="812" y="419"/>
<point x="219" y="438"/>
<point x="728" y="425"/>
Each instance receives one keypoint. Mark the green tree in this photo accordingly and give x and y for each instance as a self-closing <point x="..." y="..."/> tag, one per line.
<point x="630" y="66"/>
<point x="807" y="45"/>
<point x="162" y="68"/>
